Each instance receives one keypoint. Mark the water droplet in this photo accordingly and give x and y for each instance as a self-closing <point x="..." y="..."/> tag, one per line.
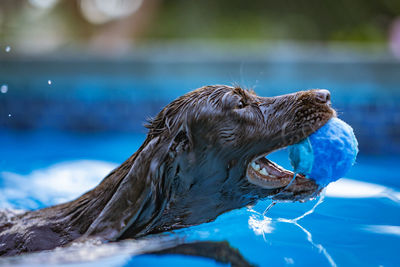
<point x="4" y="88"/>
<point x="8" y="49"/>
<point x="49" y="82"/>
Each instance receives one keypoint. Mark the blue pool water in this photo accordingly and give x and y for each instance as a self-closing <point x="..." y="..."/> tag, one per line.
<point x="357" y="222"/>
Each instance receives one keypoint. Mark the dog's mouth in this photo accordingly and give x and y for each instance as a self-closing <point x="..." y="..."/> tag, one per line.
<point x="266" y="174"/>
<point x="269" y="175"/>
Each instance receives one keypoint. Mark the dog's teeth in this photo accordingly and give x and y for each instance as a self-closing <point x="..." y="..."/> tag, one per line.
<point x="255" y="166"/>
<point x="264" y="171"/>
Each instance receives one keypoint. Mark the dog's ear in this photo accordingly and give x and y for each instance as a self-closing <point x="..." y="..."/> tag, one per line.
<point x="138" y="201"/>
<point x="182" y="140"/>
<point x="180" y="143"/>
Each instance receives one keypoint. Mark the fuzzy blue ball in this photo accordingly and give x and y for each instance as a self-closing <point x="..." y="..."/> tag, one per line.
<point x="327" y="154"/>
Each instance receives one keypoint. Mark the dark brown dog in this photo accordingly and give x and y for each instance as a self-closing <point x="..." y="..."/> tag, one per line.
<point x="203" y="156"/>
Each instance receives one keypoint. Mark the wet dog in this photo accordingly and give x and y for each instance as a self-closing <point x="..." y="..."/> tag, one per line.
<point x="204" y="155"/>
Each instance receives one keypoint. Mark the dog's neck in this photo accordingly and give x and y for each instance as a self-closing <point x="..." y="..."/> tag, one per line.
<point x="161" y="187"/>
<point x="108" y="208"/>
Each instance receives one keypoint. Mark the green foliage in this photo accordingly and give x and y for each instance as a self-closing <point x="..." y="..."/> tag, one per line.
<point x="355" y="20"/>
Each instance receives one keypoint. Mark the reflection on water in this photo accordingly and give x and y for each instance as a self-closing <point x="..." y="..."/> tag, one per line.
<point x="346" y="188"/>
<point x="384" y="229"/>
<point x="53" y="185"/>
<point x="67" y="180"/>
<point x="262" y="225"/>
<point x="84" y="253"/>
<point x="355" y="217"/>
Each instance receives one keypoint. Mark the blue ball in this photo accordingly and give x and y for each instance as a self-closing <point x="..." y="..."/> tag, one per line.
<point x="327" y="154"/>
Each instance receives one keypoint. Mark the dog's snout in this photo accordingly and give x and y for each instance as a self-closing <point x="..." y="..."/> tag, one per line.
<point x="323" y="96"/>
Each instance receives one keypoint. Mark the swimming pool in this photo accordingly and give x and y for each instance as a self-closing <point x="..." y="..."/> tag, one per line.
<point x="62" y="139"/>
<point x="357" y="223"/>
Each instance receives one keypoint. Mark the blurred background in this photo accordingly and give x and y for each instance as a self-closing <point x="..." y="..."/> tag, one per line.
<point x="91" y="66"/>
<point x="79" y="78"/>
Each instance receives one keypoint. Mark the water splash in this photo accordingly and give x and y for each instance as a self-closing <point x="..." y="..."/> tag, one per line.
<point x="7" y="49"/>
<point x="49" y="82"/>
<point x="280" y="192"/>
<point x="273" y="203"/>
<point x="320" y="248"/>
<point x="52" y="185"/>
<point x="295" y="220"/>
<point x="263" y="226"/>
<point x="7" y="215"/>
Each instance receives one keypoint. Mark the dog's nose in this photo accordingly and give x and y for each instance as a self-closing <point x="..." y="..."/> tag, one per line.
<point x="323" y="96"/>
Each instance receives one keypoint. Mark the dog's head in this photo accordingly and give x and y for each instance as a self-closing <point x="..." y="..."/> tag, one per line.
<point x="224" y="134"/>
<point x="205" y="155"/>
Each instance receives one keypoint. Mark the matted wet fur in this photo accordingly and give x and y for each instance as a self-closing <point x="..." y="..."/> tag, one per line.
<point x="190" y="169"/>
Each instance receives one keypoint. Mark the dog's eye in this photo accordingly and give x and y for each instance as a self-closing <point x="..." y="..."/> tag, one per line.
<point x="240" y="105"/>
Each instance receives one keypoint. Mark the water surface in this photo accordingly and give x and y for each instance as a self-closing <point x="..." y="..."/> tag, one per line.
<point x="357" y="223"/>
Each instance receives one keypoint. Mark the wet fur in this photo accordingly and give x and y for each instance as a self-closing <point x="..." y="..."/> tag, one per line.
<point x="190" y="169"/>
